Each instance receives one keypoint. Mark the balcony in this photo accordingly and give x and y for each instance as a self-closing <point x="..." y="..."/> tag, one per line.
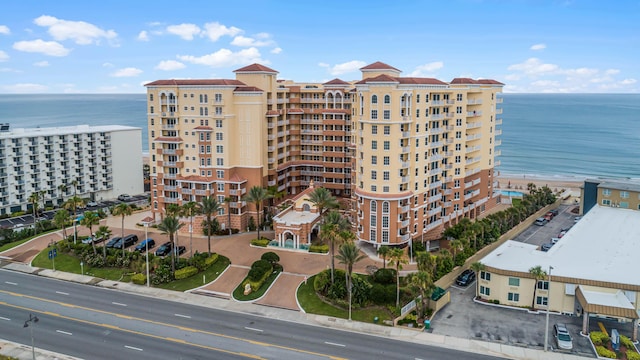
<point x="404" y="238"/>
<point x="474" y="125"/>
<point x="474" y="160"/>
<point x="436" y="144"/>
<point x="404" y="164"/>
<point x="404" y="223"/>
<point x="170" y="176"/>
<point x="170" y="188"/>
<point x="185" y="191"/>
<point x="437" y="102"/>
<point x="434" y="198"/>
<point x="243" y="191"/>
<point x="406" y="134"/>
<point x="435" y="185"/>
<point x="497" y="152"/>
<point x="437" y="117"/>
<point x="498" y="132"/>
<point x="474" y="113"/>
<point x="498" y="121"/>
<point x="498" y="142"/>
<point x="435" y="171"/>
<point x="499" y="111"/>
<point x="434" y="211"/>
<point x="271" y="183"/>
<point x="201" y="192"/>
<point x="470" y="149"/>
<point x="474" y="137"/>
<point x="474" y="101"/>
<point x="497" y="163"/>
<point x="169" y="127"/>
<point x="238" y="204"/>
<point x="405" y="149"/>
<point x="171" y="200"/>
<point x="403" y="209"/>
<point x="471" y="194"/>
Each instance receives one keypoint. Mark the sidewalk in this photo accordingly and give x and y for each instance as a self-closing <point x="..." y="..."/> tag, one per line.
<point x="404" y="334"/>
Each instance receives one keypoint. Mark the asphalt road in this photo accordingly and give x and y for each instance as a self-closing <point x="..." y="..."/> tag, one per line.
<point x="92" y="322"/>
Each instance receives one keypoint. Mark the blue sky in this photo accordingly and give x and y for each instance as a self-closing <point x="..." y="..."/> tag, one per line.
<point x="117" y="46"/>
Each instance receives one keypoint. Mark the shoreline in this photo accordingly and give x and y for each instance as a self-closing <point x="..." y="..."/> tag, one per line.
<point x="519" y="183"/>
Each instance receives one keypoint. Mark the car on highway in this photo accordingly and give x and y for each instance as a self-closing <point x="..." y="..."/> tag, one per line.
<point x="466" y="278"/>
<point x="563" y="338"/>
<point x="145" y="244"/>
<point x="164" y="249"/>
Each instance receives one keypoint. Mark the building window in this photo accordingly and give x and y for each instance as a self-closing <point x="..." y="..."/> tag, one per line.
<point x="374" y="145"/>
<point x="542" y="300"/>
<point x="374" y="160"/>
<point x="386" y="114"/>
<point x="385" y="221"/>
<point x="624" y="194"/>
<point x="606" y="192"/>
<point x="372" y="235"/>
<point x="606" y="202"/>
<point x="220" y="174"/>
<point x="543" y="285"/>
<point x="387" y="145"/>
<point x="386" y="189"/>
<point x="513" y="297"/>
<point x="218" y="123"/>
<point x="374" y="99"/>
<point x="219" y="149"/>
<point x="387" y="99"/>
<point x="374" y="175"/>
<point x="374" y="188"/>
<point x="374" y="114"/>
<point x="514" y="281"/>
<point x="219" y="136"/>
<point x="386" y="175"/>
<point x="385" y="160"/>
<point x="220" y="162"/>
<point x="374" y="206"/>
<point x="387" y="130"/>
<point x="485" y="275"/>
<point x="373" y="220"/>
<point x="151" y="110"/>
<point x="385" y="207"/>
<point x="374" y="129"/>
<point x="485" y="291"/>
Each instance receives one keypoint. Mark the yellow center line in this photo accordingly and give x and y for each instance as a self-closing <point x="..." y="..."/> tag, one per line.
<point x="253" y="342"/>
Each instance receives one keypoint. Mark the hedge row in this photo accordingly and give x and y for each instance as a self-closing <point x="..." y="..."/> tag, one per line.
<point x="260" y="242"/>
<point x="260" y="271"/>
<point x="185" y="272"/>
<point x="323" y="249"/>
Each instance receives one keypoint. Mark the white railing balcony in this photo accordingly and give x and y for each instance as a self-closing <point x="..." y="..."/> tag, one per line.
<point x="405" y="149"/>
<point x="271" y="160"/>
<point x="473" y="113"/>
<point x="498" y="142"/>
<point x="474" y="101"/>
<point x="406" y="134"/>
<point x="271" y="183"/>
<point x="270" y="125"/>
<point x="470" y="149"/>
<point x="473" y="160"/>
<point x="200" y="192"/>
<point x="475" y="181"/>
<point x="448" y="153"/>
<point x="449" y="127"/>
<point x="405" y="237"/>
<point x="474" y="137"/>
<point x="436" y="131"/>
<point x="169" y="127"/>
<point x="433" y="198"/>
<point x="433" y="225"/>
<point x="435" y="171"/>
<point x="499" y="111"/>
<point x="450" y="102"/>
<point x="447" y="191"/>
<point x="498" y="121"/>
<point x="434" y="211"/>
<point x="446" y="204"/>
<point x="406" y="118"/>
<point x="474" y="125"/>
<point x="436" y="144"/>
<point x="185" y="191"/>
<point x="437" y="102"/>
<point x="271" y="148"/>
<point x="435" y="185"/>
<point x="170" y="176"/>
<point x="470" y="172"/>
<point x="448" y="115"/>
<point x="404" y="179"/>
<point x="468" y="184"/>
<point x="404" y="164"/>
<point x="498" y="132"/>
<point x="171" y="200"/>
<point x="404" y="223"/>
<point x="404" y="209"/>
<point x="437" y="117"/>
<point x="497" y="152"/>
<point x="170" y="188"/>
<point x="497" y="163"/>
<point x="271" y="137"/>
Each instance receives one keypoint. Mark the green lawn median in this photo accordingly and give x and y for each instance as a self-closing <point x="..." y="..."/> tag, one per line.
<point x="192" y="282"/>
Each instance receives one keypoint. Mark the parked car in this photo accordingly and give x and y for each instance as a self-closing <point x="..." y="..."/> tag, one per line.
<point x="180" y="250"/>
<point x="92" y="204"/>
<point x="577" y="218"/>
<point x="555" y="240"/>
<point x="561" y="234"/>
<point x="124" y="197"/>
<point x="563" y="338"/>
<point x="548" y="216"/>
<point x="540" y="221"/>
<point x="145" y="244"/>
<point x="466" y="278"/>
<point x="89" y="240"/>
<point x="546" y="247"/>
<point x="164" y="249"/>
<point x="554" y="212"/>
<point x="126" y="241"/>
<point x="111" y="243"/>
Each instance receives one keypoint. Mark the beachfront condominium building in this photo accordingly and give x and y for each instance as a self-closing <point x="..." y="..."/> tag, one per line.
<point x="619" y="193"/>
<point x="104" y="161"/>
<point x="408" y="155"/>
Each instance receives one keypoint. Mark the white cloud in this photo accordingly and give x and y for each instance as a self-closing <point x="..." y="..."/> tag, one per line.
<point x="185" y="31"/>
<point x="126" y="72"/>
<point x="276" y="50"/>
<point x="168" y="65"/>
<point x="25" y="88"/>
<point x="108" y="64"/>
<point x="537" y="47"/>
<point x="143" y="36"/>
<point x="324" y="65"/>
<point x="3" y="56"/>
<point x="215" y="31"/>
<point x="628" y="81"/>
<point x="226" y="57"/>
<point x="51" y="48"/>
<point x="579" y="72"/>
<point x="347" y="67"/>
<point x="41" y="63"/>
<point x="427" y="69"/>
<point x="545" y="83"/>
<point x="4" y="29"/>
<point x="83" y="33"/>
<point x="534" y="67"/>
<point x="244" y="41"/>
<point x="612" y="71"/>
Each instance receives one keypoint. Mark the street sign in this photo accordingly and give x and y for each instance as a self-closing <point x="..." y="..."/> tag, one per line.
<point x="53" y="253"/>
<point x="50" y="254"/>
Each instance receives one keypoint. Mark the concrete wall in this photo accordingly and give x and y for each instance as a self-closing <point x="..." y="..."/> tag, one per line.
<point x="126" y="165"/>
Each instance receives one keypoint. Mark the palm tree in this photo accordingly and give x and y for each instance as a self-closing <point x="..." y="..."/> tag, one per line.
<point x="477" y="267"/>
<point x="426" y="262"/>
<point x="538" y="274"/>
<point x="62" y="188"/>
<point x="33" y="199"/>
<point x="61" y="219"/>
<point x="103" y="233"/>
<point x="257" y="195"/>
<point x="170" y="225"/>
<point x="75" y="197"/>
<point x="332" y="231"/>
<point x="91" y="218"/>
<point x="384" y="252"/>
<point x="423" y="281"/>
<point x="323" y="200"/>
<point x="349" y="254"/>
<point x="189" y="209"/>
<point x="456" y="245"/>
<point x="228" y="200"/>
<point x="173" y="210"/>
<point x="209" y="206"/>
<point x="122" y="209"/>
<point x="274" y="195"/>
<point x="397" y="258"/>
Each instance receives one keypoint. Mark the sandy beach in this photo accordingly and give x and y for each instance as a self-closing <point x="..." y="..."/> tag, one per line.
<point x="520" y="183"/>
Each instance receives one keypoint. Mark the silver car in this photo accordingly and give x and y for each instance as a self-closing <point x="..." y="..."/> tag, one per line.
<point x="562" y="336"/>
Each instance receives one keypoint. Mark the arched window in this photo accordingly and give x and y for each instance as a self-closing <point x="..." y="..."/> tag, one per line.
<point x="374" y="99"/>
<point x="387" y="99"/>
<point x="306" y="207"/>
<point x="374" y="206"/>
<point x="385" y="207"/>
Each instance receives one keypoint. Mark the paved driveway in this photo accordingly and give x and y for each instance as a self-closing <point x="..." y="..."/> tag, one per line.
<point x="282" y="293"/>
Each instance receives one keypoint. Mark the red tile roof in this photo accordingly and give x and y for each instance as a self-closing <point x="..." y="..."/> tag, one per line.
<point x="379" y="78"/>
<point x="273" y="113"/>
<point x="379" y="66"/>
<point x="198" y="179"/>
<point x="295" y="111"/>
<point x="336" y="81"/>
<point x="237" y="179"/>
<point x="255" y="68"/>
<point x="214" y="82"/>
<point x="489" y="81"/>
<point x="418" y="80"/>
<point x="168" y="139"/>
<point x="248" y="89"/>
<point x="466" y="81"/>
<point x="203" y="128"/>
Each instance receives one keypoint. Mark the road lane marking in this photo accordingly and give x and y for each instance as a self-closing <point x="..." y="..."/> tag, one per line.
<point x="113" y="327"/>
<point x="334" y="344"/>
<point x="4" y="318"/>
<point x="10" y="283"/>
<point x="183" y="316"/>
<point x="133" y="348"/>
<point x="62" y="293"/>
<point x="119" y="304"/>
<point x="253" y="329"/>
<point x="64" y="332"/>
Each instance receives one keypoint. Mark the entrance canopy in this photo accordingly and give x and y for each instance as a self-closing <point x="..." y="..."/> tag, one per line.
<point x="607" y="302"/>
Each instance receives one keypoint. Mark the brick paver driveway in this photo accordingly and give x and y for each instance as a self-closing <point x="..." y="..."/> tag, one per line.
<point x="282" y="293"/>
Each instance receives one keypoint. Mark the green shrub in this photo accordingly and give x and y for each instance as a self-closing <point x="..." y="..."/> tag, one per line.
<point x="598" y="338"/>
<point x="259" y="269"/>
<point x="210" y="260"/>
<point x="260" y="242"/>
<point x="383" y="294"/>
<point x="271" y="257"/>
<point x="626" y="342"/>
<point x="321" y="282"/>
<point x="186" y="272"/>
<point x="257" y="283"/>
<point x="632" y="355"/>
<point x="384" y="276"/>
<point x="139" y="279"/>
<point x="161" y="275"/>
<point x="606" y="353"/>
<point x="496" y="301"/>
<point x="322" y="249"/>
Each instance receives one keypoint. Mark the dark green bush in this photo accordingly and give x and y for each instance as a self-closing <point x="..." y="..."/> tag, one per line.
<point x="258" y="269"/>
<point x="271" y="257"/>
<point x="161" y="275"/>
<point x="384" y="276"/>
<point x="383" y="294"/>
<point x="260" y="242"/>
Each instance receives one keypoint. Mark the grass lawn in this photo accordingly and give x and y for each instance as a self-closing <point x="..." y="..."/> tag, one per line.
<point x="13" y="244"/>
<point x="195" y="281"/>
<point x="312" y="304"/>
<point x="239" y="295"/>
<point x="71" y="264"/>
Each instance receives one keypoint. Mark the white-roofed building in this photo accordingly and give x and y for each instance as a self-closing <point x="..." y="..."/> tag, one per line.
<point x="105" y="161"/>
<point x="594" y="269"/>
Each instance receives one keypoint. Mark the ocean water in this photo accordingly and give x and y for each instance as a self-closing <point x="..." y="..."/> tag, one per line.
<point x="563" y="136"/>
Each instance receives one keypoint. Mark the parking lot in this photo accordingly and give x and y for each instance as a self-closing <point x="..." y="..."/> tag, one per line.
<point x="466" y="319"/>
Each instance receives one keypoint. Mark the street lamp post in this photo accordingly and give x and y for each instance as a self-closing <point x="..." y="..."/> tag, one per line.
<point x="146" y="244"/>
<point x="546" y="324"/>
<point x="75" y="232"/>
<point x="32" y="319"/>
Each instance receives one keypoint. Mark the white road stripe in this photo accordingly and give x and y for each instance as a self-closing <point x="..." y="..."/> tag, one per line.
<point x="4" y="318"/>
<point x="334" y="344"/>
<point x="184" y="316"/>
<point x="117" y="303"/>
<point x="62" y="293"/>
<point x="132" y="348"/>
<point x="253" y="329"/>
<point x="64" y="332"/>
<point x="10" y="283"/>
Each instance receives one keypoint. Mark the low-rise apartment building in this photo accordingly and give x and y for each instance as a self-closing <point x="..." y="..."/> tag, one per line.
<point x="614" y="193"/>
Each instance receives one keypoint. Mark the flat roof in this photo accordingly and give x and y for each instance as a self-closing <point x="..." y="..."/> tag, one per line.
<point x="628" y="186"/>
<point x="63" y="130"/>
<point x="297" y="217"/>
<point x="603" y="246"/>
<point x="612" y="299"/>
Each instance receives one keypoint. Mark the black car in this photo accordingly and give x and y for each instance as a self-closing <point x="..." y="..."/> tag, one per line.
<point x="111" y="243"/>
<point x="180" y="250"/>
<point x="145" y="244"/>
<point x="466" y="278"/>
<point x="164" y="249"/>
<point x="554" y="212"/>
<point x="126" y="241"/>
